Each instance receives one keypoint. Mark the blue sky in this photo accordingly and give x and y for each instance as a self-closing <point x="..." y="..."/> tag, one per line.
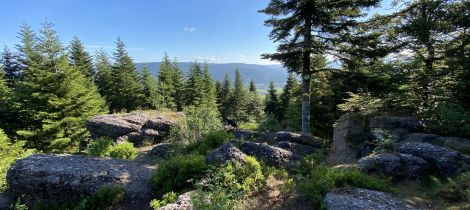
<point x="220" y="31"/>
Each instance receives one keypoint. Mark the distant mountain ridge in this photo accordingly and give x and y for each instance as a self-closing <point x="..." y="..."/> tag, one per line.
<point x="260" y="74"/>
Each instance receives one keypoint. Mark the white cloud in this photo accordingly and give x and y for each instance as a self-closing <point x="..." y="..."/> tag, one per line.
<point x="208" y="59"/>
<point x="242" y="56"/>
<point x="189" y="29"/>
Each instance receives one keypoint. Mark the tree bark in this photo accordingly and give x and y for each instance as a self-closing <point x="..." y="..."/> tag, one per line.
<point x="306" y="76"/>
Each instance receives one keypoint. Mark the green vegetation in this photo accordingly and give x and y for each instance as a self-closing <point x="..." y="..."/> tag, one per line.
<point x="210" y="141"/>
<point x="9" y="152"/>
<point x="169" y="197"/>
<point x="105" y="147"/>
<point x="178" y="173"/>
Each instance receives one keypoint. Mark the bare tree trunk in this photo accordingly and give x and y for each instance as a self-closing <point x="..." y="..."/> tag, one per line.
<point x="306" y="77"/>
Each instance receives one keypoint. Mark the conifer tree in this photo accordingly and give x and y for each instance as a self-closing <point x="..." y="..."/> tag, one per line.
<point x="166" y="83"/>
<point x="10" y="66"/>
<point x="252" y="87"/>
<point x="178" y="83"/>
<point x="225" y="95"/>
<point x="195" y="86"/>
<point x="254" y="107"/>
<point x="313" y="27"/>
<point x="271" y="103"/>
<point x="103" y="77"/>
<point x="239" y="99"/>
<point x="287" y="96"/>
<point x="7" y="105"/>
<point x="127" y="90"/>
<point x="209" y="88"/>
<point x="81" y="59"/>
<point x="54" y="98"/>
<point x="152" y="97"/>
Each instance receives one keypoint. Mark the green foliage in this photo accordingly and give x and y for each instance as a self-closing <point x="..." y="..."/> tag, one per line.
<point x="80" y="59"/>
<point x="250" y="125"/>
<point x="124" y="150"/>
<point x="323" y="179"/>
<point x="105" y="147"/>
<point x="170" y="84"/>
<point x="100" y="147"/>
<point x="167" y="198"/>
<point x="271" y="102"/>
<point x="197" y="122"/>
<point x="456" y="189"/>
<point x="9" y="153"/>
<point x="177" y="173"/>
<point x="153" y="99"/>
<point x="269" y="124"/>
<point x="239" y="100"/>
<point x="452" y="119"/>
<point x="210" y="141"/>
<point x="229" y="184"/>
<point x="106" y="196"/>
<point x="364" y="103"/>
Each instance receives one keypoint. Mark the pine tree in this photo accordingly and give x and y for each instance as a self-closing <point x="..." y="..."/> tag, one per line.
<point x="166" y="83"/>
<point x="252" y="87"/>
<point x="312" y="27"/>
<point x="81" y="59"/>
<point x="11" y="67"/>
<point x="103" y="77"/>
<point x="287" y="96"/>
<point x="239" y="99"/>
<point x="271" y="103"/>
<point x="54" y="98"/>
<point x="152" y="97"/>
<point x="225" y="95"/>
<point x="178" y="83"/>
<point x="255" y="105"/>
<point x="7" y="105"/>
<point x="127" y="90"/>
<point x="209" y="88"/>
<point x="195" y="86"/>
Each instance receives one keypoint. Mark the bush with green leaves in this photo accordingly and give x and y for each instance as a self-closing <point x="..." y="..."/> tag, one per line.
<point x="269" y="124"/>
<point x="124" y="150"/>
<point x="105" y="147"/>
<point x="226" y="186"/>
<point x="169" y="197"/>
<point x="324" y="178"/>
<point x="177" y="173"/>
<point x="9" y="153"/>
<point x="100" y="147"/>
<point x="106" y="196"/>
<point x="210" y="141"/>
<point x="197" y="122"/>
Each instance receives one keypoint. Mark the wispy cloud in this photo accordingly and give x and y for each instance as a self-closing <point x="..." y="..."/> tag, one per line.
<point x="111" y="47"/>
<point x="189" y="29"/>
<point x="209" y="59"/>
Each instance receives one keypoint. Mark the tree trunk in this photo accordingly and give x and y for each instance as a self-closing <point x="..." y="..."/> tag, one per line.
<point x="306" y="76"/>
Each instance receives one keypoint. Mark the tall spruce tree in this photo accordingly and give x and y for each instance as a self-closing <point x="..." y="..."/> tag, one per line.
<point x="166" y="82"/>
<point x="239" y="99"/>
<point x="271" y="102"/>
<point x="307" y="27"/>
<point x="7" y="106"/>
<point x="103" y="77"/>
<point x="178" y="83"/>
<point x="54" y="98"/>
<point x="10" y="65"/>
<point x="127" y="90"/>
<point x="254" y="108"/>
<point x="195" y="86"/>
<point x="287" y="96"/>
<point x="225" y="95"/>
<point x="152" y="97"/>
<point x="210" y="98"/>
<point x="81" y="59"/>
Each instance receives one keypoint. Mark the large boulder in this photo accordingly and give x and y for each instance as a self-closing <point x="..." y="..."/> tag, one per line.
<point x="163" y="150"/>
<point x="275" y="137"/>
<point x="394" y="165"/>
<point x="183" y="202"/>
<point x="271" y="155"/>
<point x="444" y="161"/>
<point x="298" y="149"/>
<point x="44" y="178"/>
<point x="354" y="133"/>
<point x="226" y="152"/>
<point x="455" y="143"/>
<point x="362" y="199"/>
<point x="134" y="127"/>
<point x="5" y="201"/>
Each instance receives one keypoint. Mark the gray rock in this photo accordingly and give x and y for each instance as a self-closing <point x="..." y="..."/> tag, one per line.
<point x="271" y="155"/>
<point x="226" y="152"/>
<point x="183" y="202"/>
<point x="297" y="149"/>
<point x="162" y="150"/>
<point x="362" y="199"/>
<point x="275" y="137"/>
<point x="44" y="178"/>
<point x="5" y="201"/>
<point x="244" y="134"/>
<point x="459" y="144"/>
<point x="410" y="124"/>
<point x="395" y="165"/>
<point x="112" y="126"/>
<point x="444" y="161"/>
<point x="159" y="124"/>
<point x="422" y="137"/>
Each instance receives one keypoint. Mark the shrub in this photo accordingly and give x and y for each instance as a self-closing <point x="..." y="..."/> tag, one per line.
<point x="456" y="189"/>
<point x="123" y="151"/>
<point x="9" y="153"/>
<point x="197" y="122"/>
<point x="269" y="124"/>
<point x="250" y="125"/>
<point x="100" y="147"/>
<point x="173" y="174"/>
<point x="324" y="179"/>
<point x="228" y="185"/>
<point x="106" y="196"/>
<point x="166" y="199"/>
<point x="210" y="141"/>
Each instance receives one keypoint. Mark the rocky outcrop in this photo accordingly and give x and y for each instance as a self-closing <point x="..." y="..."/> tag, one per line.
<point x="276" y="137"/>
<point x="354" y="133"/>
<point x="271" y="155"/>
<point x="444" y="161"/>
<point x="134" y="127"/>
<point x="5" y="201"/>
<point x="244" y="134"/>
<point x="44" y="178"/>
<point x="395" y="165"/>
<point x="459" y="144"/>
<point x="226" y="152"/>
<point x="163" y="150"/>
<point x="183" y="202"/>
<point x="362" y="199"/>
<point x="297" y="149"/>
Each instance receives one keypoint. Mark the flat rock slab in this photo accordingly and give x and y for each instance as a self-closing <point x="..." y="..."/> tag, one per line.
<point x="362" y="199"/>
<point x="44" y="178"/>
